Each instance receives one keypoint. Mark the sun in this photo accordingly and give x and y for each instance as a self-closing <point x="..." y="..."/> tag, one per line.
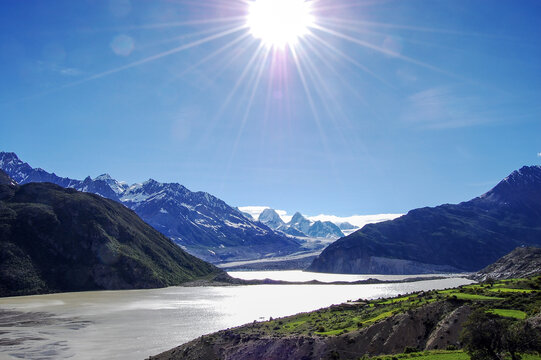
<point x="279" y="23"/>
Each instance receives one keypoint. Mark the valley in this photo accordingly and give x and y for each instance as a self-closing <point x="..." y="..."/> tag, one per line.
<point x="270" y="180"/>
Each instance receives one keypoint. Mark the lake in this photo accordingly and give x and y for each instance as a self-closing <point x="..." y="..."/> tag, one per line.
<point x="134" y="324"/>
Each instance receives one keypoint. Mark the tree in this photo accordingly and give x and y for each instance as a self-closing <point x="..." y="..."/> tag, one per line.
<point x="482" y="336"/>
<point x="521" y="337"/>
<point x="487" y="337"/>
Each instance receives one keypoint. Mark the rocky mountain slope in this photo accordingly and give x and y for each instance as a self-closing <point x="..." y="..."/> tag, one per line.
<point x="55" y="239"/>
<point x="463" y="237"/>
<point x="519" y="263"/>
<point x="6" y="180"/>
<point x="197" y="221"/>
<point x="300" y="226"/>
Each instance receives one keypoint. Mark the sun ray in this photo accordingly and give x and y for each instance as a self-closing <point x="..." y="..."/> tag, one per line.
<point x="254" y="88"/>
<point x="356" y="4"/>
<point x="382" y="50"/>
<point x="157" y="56"/>
<point x="325" y="60"/>
<point x="322" y="87"/>
<point x="196" y="35"/>
<point x="310" y="99"/>
<point x="331" y="109"/>
<point x="312" y="71"/>
<point x="215" y="53"/>
<point x="229" y="97"/>
<point x="354" y="25"/>
<point x="336" y="51"/>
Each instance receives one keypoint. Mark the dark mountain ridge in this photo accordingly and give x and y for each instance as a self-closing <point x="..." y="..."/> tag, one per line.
<point x="54" y="239"/>
<point x="197" y="221"/>
<point x="463" y="237"/>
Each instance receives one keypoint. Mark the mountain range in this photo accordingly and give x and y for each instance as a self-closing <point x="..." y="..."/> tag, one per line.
<point x="54" y="239"/>
<point x="300" y="226"/>
<point x="200" y="223"/>
<point x="462" y="237"/>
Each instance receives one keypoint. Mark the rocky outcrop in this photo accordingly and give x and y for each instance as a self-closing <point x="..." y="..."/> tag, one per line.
<point x="447" y="332"/>
<point x="432" y="326"/>
<point x="520" y="263"/>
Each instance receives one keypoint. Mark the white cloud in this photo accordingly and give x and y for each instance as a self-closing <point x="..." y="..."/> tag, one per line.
<point x="539" y="154"/>
<point x="254" y="211"/>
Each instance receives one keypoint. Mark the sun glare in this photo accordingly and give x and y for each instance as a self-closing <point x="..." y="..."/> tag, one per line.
<point x="278" y="23"/>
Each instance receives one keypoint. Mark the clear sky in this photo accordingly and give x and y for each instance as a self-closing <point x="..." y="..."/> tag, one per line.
<point x="380" y="106"/>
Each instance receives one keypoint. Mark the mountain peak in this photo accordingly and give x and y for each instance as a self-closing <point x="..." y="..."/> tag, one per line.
<point x="520" y="185"/>
<point x="271" y="218"/>
<point x="9" y="160"/>
<point x="297" y="217"/>
<point x="104" y="177"/>
<point x="9" y="155"/>
<point x="526" y="175"/>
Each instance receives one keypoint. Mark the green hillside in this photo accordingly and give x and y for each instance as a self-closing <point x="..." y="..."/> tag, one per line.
<point x="54" y="239"/>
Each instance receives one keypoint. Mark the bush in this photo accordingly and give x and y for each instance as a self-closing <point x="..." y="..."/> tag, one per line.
<point x="410" y="349"/>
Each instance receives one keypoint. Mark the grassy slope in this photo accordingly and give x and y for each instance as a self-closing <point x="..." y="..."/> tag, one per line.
<point x="441" y="355"/>
<point x="360" y="328"/>
<point x="340" y="319"/>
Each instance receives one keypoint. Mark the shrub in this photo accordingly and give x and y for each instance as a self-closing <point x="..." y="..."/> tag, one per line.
<point x="410" y="349"/>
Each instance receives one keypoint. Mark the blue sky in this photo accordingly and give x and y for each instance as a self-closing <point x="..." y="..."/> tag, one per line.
<point x="404" y="104"/>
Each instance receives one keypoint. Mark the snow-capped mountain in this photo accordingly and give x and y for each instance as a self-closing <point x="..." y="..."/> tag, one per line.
<point x="347" y="224"/>
<point x="300" y="223"/>
<point x="271" y="218"/>
<point x="199" y="222"/>
<point x="300" y="226"/>
<point x="324" y="229"/>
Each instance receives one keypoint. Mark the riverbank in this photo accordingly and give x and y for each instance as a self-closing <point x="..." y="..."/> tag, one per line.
<point x="423" y="321"/>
